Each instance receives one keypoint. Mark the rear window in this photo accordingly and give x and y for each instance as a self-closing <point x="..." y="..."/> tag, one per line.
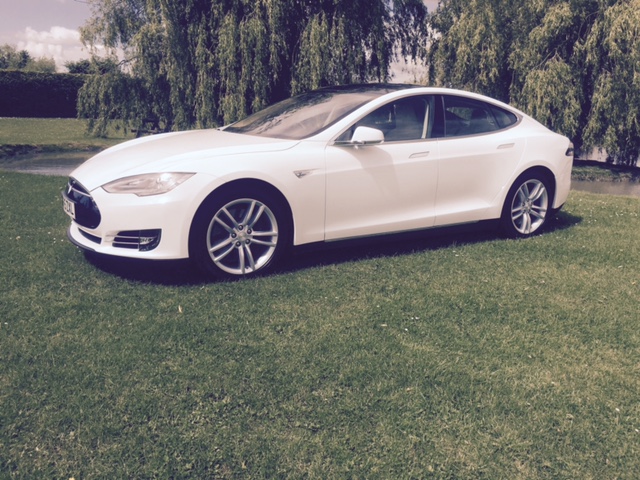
<point x="503" y="117"/>
<point x="465" y="116"/>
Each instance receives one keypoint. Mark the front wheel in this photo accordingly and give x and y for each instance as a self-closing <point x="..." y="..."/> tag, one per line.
<point x="526" y="207"/>
<point x="236" y="236"/>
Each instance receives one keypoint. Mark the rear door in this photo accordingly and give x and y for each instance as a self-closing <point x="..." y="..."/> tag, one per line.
<point x="478" y="153"/>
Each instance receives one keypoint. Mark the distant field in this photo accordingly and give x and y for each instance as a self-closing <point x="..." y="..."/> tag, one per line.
<point x="51" y="134"/>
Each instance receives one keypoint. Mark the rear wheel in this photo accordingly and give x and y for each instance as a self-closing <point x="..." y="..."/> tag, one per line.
<point x="527" y="207"/>
<point x="236" y="236"/>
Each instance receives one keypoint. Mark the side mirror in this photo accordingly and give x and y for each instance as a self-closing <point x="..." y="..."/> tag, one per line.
<point x="367" y="136"/>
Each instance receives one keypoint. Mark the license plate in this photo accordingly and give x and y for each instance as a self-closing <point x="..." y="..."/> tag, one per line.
<point x="69" y="207"/>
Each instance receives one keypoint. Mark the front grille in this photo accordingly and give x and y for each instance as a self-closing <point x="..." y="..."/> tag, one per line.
<point x="141" y="240"/>
<point x="86" y="210"/>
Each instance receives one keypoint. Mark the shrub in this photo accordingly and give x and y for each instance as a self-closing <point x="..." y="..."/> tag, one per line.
<point x="43" y="95"/>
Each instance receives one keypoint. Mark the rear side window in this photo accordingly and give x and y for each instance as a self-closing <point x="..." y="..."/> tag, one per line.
<point x="503" y="117"/>
<point x="464" y="116"/>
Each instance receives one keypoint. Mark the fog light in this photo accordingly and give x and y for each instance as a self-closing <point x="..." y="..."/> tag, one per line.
<point x="141" y="240"/>
<point x="150" y="241"/>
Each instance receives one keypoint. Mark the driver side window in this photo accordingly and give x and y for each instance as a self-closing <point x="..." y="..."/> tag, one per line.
<point x="405" y="119"/>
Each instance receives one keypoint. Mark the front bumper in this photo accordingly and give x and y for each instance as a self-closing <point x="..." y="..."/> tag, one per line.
<point x="153" y="227"/>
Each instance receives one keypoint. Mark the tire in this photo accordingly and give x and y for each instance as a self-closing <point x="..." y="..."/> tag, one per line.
<point x="240" y="234"/>
<point x="527" y="207"/>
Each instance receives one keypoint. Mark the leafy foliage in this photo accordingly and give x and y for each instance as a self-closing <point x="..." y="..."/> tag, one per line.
<point x="13" y="59"/>
<point x="525" y="54"/>
<point x="572" y="64"/>
<point x="613" y="55"/>
<point x="470" y="48"/>
<point x="200" y="63"/>
<point x="94" y="66"/>
<point x="36" y="94"/>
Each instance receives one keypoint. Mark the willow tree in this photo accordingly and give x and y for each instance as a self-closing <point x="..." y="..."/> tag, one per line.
<point x="201" y="63"/>
<point x="470" y="49"/>
<point x="613" y="57"/>
<point x="569" y="63"/>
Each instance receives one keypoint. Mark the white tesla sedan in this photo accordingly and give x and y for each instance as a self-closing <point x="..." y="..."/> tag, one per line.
<point x="332" y="164"/>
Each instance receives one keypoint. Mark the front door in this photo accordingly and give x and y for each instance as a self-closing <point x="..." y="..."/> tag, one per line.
<point x="388" y="187"/>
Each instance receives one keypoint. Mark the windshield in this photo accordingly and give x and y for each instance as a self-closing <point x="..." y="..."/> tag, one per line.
<point x="310" y="113"/>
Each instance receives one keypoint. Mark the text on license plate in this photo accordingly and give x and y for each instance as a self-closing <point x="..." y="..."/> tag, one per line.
<point x="69" y="207"/>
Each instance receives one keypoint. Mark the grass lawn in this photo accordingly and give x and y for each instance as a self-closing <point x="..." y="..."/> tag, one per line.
<point x="461" y="356"/>
<point x="51" y="134"/>
<point x="604" y="172"/>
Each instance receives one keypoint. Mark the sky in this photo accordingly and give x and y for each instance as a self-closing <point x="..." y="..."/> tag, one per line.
<point x="50" y="28"/>
<point x="45" y="28"/>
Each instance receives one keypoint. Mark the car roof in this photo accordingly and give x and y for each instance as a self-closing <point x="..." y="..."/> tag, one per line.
<point x="381" y="88"/>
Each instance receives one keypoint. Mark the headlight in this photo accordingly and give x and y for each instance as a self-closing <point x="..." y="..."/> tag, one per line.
<point x="148" y="184"/>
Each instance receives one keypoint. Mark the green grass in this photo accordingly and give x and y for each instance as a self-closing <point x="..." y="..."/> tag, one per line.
<point x="51" y="134"/>
<point x="461" y="356"/>
<point x="605" y="173"/>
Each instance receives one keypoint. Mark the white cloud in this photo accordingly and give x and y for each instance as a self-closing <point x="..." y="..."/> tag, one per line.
<point x="59" y="43"/>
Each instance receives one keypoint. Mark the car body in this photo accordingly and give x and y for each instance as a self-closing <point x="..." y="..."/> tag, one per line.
<point x="336" y="163"/>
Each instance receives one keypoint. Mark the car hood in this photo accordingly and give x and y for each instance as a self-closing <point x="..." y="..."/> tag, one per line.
<point x="191" y="151"/>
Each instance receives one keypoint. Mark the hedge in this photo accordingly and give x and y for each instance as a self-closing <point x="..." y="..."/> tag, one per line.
<point x="40" y="95"/>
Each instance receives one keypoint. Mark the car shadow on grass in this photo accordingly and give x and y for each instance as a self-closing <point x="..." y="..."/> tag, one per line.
<point x="161" y="272"/>
<point x="183" y="272"/>
<point x="409" y="243"/>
